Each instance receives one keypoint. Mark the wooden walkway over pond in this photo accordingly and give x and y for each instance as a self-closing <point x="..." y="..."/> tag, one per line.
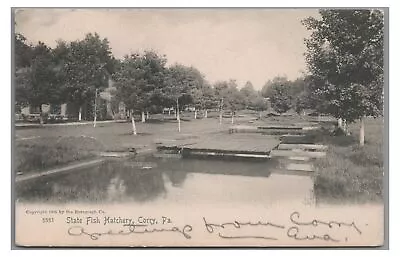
<point x="253" y="145"/>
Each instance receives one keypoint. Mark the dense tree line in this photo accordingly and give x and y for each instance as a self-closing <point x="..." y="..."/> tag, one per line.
<point x="345" y="75"/>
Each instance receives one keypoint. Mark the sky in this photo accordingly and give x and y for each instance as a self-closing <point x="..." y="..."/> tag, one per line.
<point x="243" y="44"/>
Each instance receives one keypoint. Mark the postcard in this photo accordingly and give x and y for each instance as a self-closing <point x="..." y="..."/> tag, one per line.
<point x="199" y="127"/>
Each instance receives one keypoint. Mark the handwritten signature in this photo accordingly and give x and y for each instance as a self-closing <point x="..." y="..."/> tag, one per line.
<point x="297" y="230"/>
<point x="293" y="231"/>
<point x="130" y="229"/>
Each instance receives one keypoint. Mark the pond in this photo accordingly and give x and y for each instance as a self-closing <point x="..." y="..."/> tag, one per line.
<point x="146" y="180"/>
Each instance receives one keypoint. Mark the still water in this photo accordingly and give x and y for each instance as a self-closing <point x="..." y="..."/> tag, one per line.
<point x="164" y="180"/>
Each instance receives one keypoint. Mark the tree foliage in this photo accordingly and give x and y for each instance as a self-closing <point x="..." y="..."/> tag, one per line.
<point x="345" y="58"/>
<point x="36" y="78"/>
<point x="87" y="66"/>
<point x="279" y="92"/>
<point x="138" y="77"/>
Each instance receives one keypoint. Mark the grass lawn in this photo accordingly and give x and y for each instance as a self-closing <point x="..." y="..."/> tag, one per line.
<point x="350" y="172"/>
<point x="42" y="153"/>
<point x="41" y="148"/>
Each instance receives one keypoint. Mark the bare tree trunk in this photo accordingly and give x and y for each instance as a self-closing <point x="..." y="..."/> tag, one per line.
<point x="147" y="115"/>
<point x="232" y="117"/>
<point x="41" y="116"/>
<point x="340" y="123"/>
<point x="177" y="115"/>
<point x="195" y="114"/>
<point x="260" y="115"/>
<point x="205" y="115"/>
<point x="95" y="110"/>
<point x="169" y="112"/>
<point x="133" y="124"/>
<point x="362" y="132"/>
<point x="345" y="127"/>
<point x="220" y="111"/>
<point x="80" y="113"/>
<point x="143" y="118"/>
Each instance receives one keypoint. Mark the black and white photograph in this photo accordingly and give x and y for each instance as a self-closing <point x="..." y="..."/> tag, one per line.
<point x="208" y="127"/>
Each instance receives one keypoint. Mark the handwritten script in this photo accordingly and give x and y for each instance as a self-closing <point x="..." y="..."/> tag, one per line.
<point x="297" y="228"/>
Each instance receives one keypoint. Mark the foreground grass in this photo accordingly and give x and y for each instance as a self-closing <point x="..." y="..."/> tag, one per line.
<point x="349" y="172"/>
<point x="44" y="153"/>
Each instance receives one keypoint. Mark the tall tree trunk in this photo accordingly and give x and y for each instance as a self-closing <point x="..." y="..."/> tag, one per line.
<point x="80" y="113"/>
<point x="133" y="124"/>
<point x="232" y="117"/>
<point x="340" y="123"/>
<point x="177" y="115"/>
<point x="362" y="132"/>
<point x="220" y="111"/>
<point x="143" y="118"/>
<point x="205" y="115"/>
<point x="169" y="112"/>
<point x="147" y="115"/>
<point x="260" y="115"/>
<point x="195" y="114"/>
<point x="95" y="110"/>
<point x="345" y="127"/>
<point x="41" y="115"/>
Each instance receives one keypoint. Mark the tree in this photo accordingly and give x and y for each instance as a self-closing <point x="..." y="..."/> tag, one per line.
<point x="345" y="58"/>
<point x="206" y="99"/>
<point x="249" y="94"/>
<point x="150" y="67"/>
<point x="138" y="78"/>
<point x="259" y="103"/>
<point x="220" y="88"/>
<point x="36" y="80"/>
<point x="279" y="92"/>
<point x="88" y="65"/>
<point x="180" y="81"/>
<point x="230" y="97"/>
<point x="23" y="52"/>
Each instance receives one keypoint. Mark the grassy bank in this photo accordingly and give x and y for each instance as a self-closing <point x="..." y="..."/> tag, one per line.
<point x="43" y="153"/>
<point x="352" y="173"/>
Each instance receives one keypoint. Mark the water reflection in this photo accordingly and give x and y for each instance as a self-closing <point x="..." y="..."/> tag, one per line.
<point x="110" y="181"/>
<point x="147" y="179"/>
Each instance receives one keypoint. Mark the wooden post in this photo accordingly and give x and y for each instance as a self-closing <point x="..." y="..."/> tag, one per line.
<point x="362" y="132"/>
